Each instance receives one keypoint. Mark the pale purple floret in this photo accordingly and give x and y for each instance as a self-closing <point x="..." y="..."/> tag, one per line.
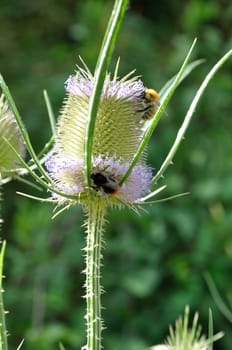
<point x="66" y="173"/>
<point x="78" y="85"/>
<point x="110" y="165"/>
<point x="138" y="183"/>
<point x="68" y="176"/>
<point x="130" y="89"/>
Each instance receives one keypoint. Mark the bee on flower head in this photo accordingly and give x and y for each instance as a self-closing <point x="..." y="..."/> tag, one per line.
<point x="150" y="104"/>
<point x="106" y="182"/>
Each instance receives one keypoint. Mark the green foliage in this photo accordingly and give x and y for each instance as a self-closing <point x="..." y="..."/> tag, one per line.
<point x="153" y="263"/>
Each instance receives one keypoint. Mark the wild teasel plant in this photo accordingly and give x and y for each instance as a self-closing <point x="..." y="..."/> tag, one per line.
<point x="118" y="131"/>
<point x="98" y="153"/>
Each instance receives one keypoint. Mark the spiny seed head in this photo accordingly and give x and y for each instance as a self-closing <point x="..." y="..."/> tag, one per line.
<point x="118" y="126"/>
<point x="9" y="131"/>
<point x="118" y="131"/>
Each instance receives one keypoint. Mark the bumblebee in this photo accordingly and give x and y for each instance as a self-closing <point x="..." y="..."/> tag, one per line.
<point x="150" y="102"/>
<point x="106" y="182"/>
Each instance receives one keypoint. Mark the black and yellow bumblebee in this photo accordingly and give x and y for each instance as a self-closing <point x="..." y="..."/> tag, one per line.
<point x="150" y="102"/>
<point x="106" y="182"/>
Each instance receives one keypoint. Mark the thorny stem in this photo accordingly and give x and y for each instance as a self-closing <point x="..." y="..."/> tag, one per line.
<point x="1" y="220"/>
<point x="94" y="227"/>
<point x="3" y="331"/>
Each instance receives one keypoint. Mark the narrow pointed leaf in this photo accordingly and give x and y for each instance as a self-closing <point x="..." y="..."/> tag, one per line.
<point x="187" y="71"/>
<point x="157" y="117"/>
<point x="22" y="128"/>
<point x="100" y="73"/>
<point x="217" y="297"/>
<point x="50" y="113"/>
<point x="189" y="115"/>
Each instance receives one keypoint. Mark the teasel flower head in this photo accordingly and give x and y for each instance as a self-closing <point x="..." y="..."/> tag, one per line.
<point x="10" y="137"/>
<point x="119" y="128"/>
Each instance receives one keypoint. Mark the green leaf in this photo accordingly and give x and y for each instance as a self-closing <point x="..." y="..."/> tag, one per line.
<point x="217" y="297"/>
<point x="188" y="117"/>
<point x="166" y="97"/>
<point x="210" y="329"/>
<point x="39" y="179"/>
<point x="99" y="76"/>
<point x="188" y="69"/>
<point x="50" y="113"/>
<point x="22" y="128"/>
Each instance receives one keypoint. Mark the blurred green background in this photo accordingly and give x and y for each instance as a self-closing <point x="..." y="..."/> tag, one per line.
<point x="153" y="263"/>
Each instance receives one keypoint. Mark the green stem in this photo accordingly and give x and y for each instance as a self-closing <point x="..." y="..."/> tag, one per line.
<point x="95" y="227"/>
<point x="3" y="332"/>
<point x="1" y="220"/>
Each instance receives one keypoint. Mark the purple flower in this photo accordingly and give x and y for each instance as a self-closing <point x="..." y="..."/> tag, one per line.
<point x="119" y="129"/>
<point x="80" y="85"/>
<point x="68" y="176"/>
